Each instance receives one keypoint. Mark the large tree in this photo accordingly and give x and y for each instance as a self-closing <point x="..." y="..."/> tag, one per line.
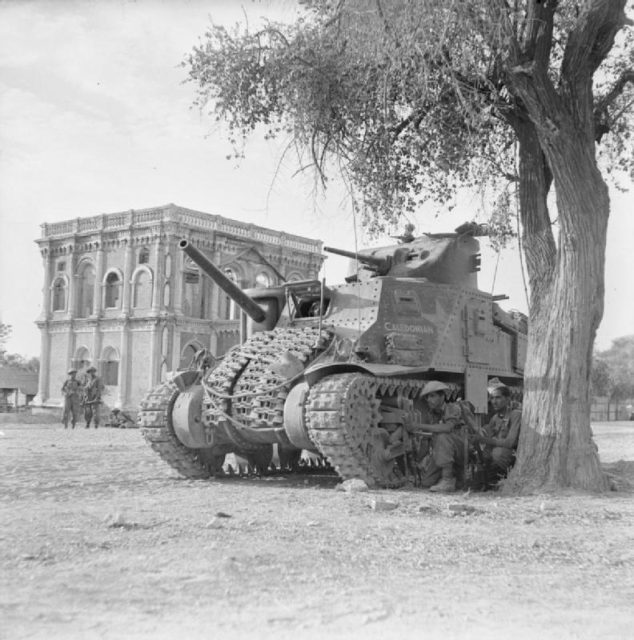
<point x="416" y="99"/>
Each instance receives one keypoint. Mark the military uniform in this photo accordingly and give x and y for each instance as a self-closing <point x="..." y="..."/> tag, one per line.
<point x="93" y="389"/>
<point x="447" y="454"/>
<point x="502" y="432"/>
<point x="71" y="390"/>
<point x="119" y="420"/>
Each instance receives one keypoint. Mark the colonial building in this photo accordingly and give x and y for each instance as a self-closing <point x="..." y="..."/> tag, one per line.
<point x="120" y="295"/>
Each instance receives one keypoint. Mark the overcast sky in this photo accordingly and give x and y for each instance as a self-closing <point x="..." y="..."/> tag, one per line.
<point x="95" y="118"/>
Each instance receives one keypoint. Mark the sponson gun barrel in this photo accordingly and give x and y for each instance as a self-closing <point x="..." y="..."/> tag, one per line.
<point x="251" y="308"/>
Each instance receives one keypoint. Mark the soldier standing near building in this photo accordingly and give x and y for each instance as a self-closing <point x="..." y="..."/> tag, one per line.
<point x="93" y="388"/>
<point x="447" y="444"/>
<point x="71" y="390"/>
<point x="501" y="434"/>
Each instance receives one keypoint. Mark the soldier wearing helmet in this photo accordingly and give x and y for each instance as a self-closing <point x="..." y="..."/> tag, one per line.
<point x="93" y="388"/>
<point x="71" y="390"/>
<point x="445" y="423"/>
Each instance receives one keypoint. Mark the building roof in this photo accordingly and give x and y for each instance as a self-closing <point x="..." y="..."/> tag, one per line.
<point x="25" y="381"/>
<point x="199" y="220"/>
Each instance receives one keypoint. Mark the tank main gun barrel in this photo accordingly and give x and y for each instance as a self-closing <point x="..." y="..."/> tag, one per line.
<point x="247" y="304"/>
<point x="382" y="265"/>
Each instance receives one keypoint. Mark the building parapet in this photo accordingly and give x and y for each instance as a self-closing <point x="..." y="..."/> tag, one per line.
<point x="187" y="217"/>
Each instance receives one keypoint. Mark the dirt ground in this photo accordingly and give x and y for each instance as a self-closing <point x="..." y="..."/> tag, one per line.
<point x="99" y="539"/>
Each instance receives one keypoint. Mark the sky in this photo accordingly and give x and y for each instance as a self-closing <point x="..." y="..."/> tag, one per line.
<point x="96" y="117"/>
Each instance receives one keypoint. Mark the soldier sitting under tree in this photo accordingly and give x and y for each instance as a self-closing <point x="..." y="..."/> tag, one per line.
<point x="71" y="390"/>
<point x="500" y="435"/>
<point x="93" y="388"/>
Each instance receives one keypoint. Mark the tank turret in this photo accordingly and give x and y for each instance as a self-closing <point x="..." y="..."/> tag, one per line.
<point x="445" y="258"/>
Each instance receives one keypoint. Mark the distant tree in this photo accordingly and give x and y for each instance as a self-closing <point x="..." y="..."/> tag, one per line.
<point x="613" y="370"/>
<point x="13" y="359"/>
<point x="417" y="99"/>
<point x="5" y="332"/>
<point x="601" y="380"/>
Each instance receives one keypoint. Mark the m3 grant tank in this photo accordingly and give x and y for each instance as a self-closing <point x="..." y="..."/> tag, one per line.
<point x="338" y="370"/>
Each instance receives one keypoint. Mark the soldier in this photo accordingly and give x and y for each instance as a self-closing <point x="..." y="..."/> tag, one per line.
<point x="501" y="433"/>
<point x="118" y="419"/>
<point x="447" y="445"/>
<point x="72" y="396"/>
<point x="93" y="388"/>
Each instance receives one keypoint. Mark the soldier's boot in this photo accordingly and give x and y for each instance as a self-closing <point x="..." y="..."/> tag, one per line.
<point x="447" y="482"/>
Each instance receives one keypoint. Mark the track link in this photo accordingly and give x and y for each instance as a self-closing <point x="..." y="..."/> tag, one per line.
<point x="343" y="419"/>
<point x="248" y="371"/>
<point x="155" y="424"/>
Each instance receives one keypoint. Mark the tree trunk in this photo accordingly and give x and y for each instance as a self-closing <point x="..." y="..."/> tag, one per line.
<point x="556" y="449"/>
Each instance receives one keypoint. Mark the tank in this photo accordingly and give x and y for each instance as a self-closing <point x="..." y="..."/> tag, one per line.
<point x="337" y="371"/>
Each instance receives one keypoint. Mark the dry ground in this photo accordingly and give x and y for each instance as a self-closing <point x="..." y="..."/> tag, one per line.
<point x="98" y="539"/>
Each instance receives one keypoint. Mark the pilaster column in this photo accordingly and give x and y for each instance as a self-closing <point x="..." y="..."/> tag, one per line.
<point x="45" y="340"/>
<point x="155" y="354"/>
<point x="176" y="347"/>
<point x="45" y="362"/>
<point x="124" y="366"/>
<point x="179" y="264"/>
<point x="128" y="267"/>
<point x="99" y="281"/>
<point x="46" y="291"/>
<point x="159" y="271"/>
<point x="96" y="348"/>
<point x="72" y="285"/>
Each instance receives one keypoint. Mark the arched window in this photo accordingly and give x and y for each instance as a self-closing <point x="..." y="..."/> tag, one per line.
<point x="144" y="256"/>
<point x="110" y="367"/>
<point x="168" y="265"/>
<point x="113" y="290"/>
<point x="59" y="294"/>
<point x="188" y="353"/>
<point x="263" y="280"/>
<point x="142" y="290"/>
<point x="86" y="286"/>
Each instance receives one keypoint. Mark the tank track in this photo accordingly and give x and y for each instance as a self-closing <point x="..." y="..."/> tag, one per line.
<point x="157" y="430"/>
<point x="252" y="357"/>
<point x="343" y="418"/>
<point x="246" y="371"/>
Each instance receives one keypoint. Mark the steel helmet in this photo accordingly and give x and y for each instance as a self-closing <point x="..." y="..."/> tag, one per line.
<point x="435" y="386"/>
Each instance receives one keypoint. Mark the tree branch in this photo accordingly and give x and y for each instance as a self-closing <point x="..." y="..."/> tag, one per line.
<point x="617" y="89"/>
<point x="538" y="37"/>
<point x="591" y="39"/>
<point x="603" y="121"/>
